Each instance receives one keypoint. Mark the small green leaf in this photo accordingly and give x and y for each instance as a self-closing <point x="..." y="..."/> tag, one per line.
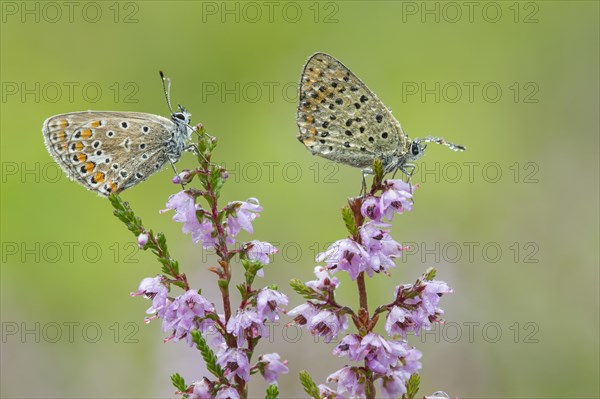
<point x="303" y="289"/>
<point x="272" y="392"/>
<point x="207" y="354"/>
<point x="223" y="284"/>
<point x="242" y="289"/>
<point x="349" y="221"/>
<point x="124" y="213"/>
<point x="377" y="171"/>
<point x="178" y="382"/>
<point x="309" y="385"/>
<point x="412" y="386"/>
<point x="216" y="180"/>
<point x="251" y="267"/>
<point x="429" y="274"/>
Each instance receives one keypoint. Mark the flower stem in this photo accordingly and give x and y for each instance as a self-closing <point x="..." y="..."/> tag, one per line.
<point x="362" y="292"/>
<point x="222" y="250"/>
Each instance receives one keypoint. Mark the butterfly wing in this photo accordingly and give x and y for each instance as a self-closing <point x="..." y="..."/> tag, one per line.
<point x="108" y="151"/>
<point x="340" y="119"/>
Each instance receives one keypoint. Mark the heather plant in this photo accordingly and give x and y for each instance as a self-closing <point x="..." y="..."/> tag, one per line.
<point x="226" y="334"/>
<point x="378" y="365"/>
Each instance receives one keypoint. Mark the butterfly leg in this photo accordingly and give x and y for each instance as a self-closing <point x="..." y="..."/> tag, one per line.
<point x="194" y="148"/>
<point x="363" y="187"/>
<point x="405" y="169"/>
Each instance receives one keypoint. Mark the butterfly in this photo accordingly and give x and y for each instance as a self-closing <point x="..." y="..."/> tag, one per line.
<point x="110" y="151"/>
<point x="339" y="118"/>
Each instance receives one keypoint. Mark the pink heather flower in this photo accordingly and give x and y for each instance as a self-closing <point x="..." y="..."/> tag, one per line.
<point x="396" y="322"/>
<point x="328" y="393"/>
<point x="244" y="215"/>
<point x="304" y="313"/>
<point x="410" y="362"/>
<point x="143" y="240"/>
<point x="396" y="198"/>
<point x="323" y="282"/>
<point x="347" y="382"/>
<point x="380" y="353"/>
<point x="201" y="389"/>
<point x="153" y="288"/>
<point x="323" y="323"/>
<point x="186" y="212"/>
<point x="432" y="294"/>
<point x="246" y="324"/>
<point x="380" y="246"/>
<point x="227" y="393"/>
<point x="270" y="367"/>
<point x="235" y="363"/>
<point x="183" y="177"/>
<point x="423" y="309"/>
<point x="394" y="383"/>
<point x="269" y="303"/>
<point x="327" y="324"/>
<point x="183" y="313"/>
<point x="260" y="251"/>
<point x="345" y="255"/>
<point x="218" y="343"/>
<point x="393" y="386"/>
<point x="350" y="347"/>
<point x="371" y="208"/>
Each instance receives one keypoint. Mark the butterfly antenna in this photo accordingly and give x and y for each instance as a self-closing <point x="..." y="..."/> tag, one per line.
<point x="166" y="82"/>
<point x="440" y="140"/>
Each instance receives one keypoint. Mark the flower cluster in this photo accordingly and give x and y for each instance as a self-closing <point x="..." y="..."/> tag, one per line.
<point x="235" y="332"/>
<point x="368" y="251"/>
<point x="200" y="223"/>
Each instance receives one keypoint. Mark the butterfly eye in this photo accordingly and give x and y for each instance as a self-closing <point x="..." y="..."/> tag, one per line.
<point x="179" y="116"/>
<point x="415" y="149"/>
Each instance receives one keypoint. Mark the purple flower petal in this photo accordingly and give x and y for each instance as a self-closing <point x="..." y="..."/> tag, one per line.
<point x="272" y="367"/>
<point x="247" y="324"/>
<point x="269" y="303"/>
<point x="185" y="313"/>
<point x="227" y="393"/>
<point x="246" y="212"/>
<point x="260" y="251"/>
<point x="235" y="363"/>
<point x="201" y="389"/>
<point x="153" y="288"/>
<point x="324" y="281"/>
<point x="347" y="382"/>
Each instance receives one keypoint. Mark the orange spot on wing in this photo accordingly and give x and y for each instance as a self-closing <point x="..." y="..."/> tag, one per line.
<point x="310" y="119"/>
<point x="312" y="131"/>
<point x="86" y="133"/>
<point x="113" y="187"/>
<point x="62" y="123"/>
<point x="60" y="136"/>
<point x="82" y="157"/>
<point x="95" y="124"/>
<point x="89" y="167"/>
<point x="77" y="146"/>
<point x="99" y="177"/>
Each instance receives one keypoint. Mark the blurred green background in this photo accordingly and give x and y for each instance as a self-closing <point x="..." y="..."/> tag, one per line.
<point x="512" y="224"/>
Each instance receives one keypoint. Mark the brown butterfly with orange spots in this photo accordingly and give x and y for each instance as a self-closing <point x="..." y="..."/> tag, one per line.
<point x="341" y="119"/>
<point x="108" y="151"/>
